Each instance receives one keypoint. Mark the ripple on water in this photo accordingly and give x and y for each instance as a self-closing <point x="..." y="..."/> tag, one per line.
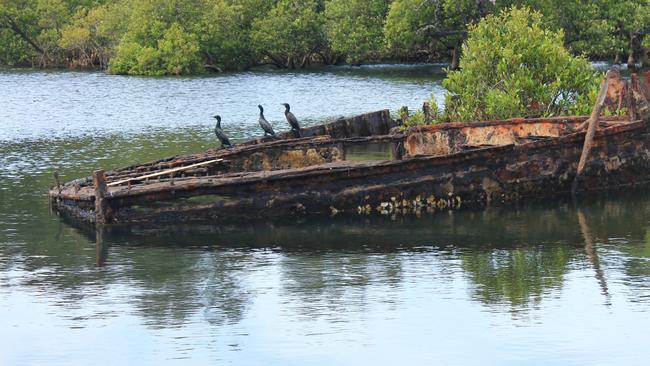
<point x="60" y="104"/>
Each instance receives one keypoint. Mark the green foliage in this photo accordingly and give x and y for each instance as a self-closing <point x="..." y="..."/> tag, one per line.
<point x="404" y="18"/>
<point x="431" y="25"/>
<point x="597" y="28"/>
<point x="175" y="54"/>
<point x="158" y="40"/>
<point x="434" y="112"/>
<point x="355" y="27"/>
<point x="126" y="36"/>
<point x="290" y="31"/>
<point x="419" y="117"/>
<point x="415" y="119"/>
<point x="179" y="51"/>
<point x="224" y="37"/>
<point x="14" y="50"/>
<point x="92" y="34"/>
<point x="513" y="66"/>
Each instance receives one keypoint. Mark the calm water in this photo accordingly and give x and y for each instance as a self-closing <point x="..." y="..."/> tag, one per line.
<point x="552" y="284"/>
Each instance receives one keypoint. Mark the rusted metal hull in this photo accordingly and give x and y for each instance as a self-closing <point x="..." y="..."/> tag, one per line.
<point x="432" y="168"/>
<point x="479" y="177"/>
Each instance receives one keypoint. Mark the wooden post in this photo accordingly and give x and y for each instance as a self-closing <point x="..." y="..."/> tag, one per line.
<point x="591" y="130"/>
<point x="455" y="59"/>
<point x="57" y="181"/>
<point x="426" y="109"/>
<point x="593" y="123"/>
<point x="634" y="85"/>
<point x="99" y="182"/>
<point x="403" y="114"/>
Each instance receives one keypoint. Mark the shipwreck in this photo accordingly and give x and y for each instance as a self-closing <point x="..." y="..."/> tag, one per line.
<point x="423" y="168"/>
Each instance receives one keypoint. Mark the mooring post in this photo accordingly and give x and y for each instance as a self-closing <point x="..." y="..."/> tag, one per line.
<point x="591" y="130"/>
<point x="99" y="182"/>
<point x="57" y="181"/>
<point x="634" y="85"/>
<point x="426" y="109"/>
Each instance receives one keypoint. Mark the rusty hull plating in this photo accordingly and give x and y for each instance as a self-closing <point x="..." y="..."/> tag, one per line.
<point x="438" y="167"/>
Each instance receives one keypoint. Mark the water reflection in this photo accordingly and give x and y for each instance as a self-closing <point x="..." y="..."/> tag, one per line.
<point x="514" y="257"/>
<point x="592" y="253"/>
<point x="322" y="277"/>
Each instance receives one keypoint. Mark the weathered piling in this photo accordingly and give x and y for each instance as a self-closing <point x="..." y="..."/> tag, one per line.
<point x="593" y="123"/>
<point x="99" y="183"/>
<point x="426" y="109"/>
<point x="57" y="182"/>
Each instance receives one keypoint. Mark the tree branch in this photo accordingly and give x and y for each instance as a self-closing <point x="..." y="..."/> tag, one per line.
<point x="441" y="33"/>
<point x="14" y="27"/>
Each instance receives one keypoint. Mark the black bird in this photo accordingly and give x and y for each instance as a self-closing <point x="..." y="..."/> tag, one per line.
<point x="293" y="121"/>
<point x="220" y="134"/>
<point x="266" y="126"/>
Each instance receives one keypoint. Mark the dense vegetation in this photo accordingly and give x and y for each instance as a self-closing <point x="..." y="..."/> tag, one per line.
<point x="155" y="37"/>
<point x="512" y="65"/>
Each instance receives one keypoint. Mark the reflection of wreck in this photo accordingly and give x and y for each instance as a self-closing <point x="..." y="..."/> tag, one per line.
<point x="425" y="168"/>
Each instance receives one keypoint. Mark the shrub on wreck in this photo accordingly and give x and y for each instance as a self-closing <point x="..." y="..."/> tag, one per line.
<point x="512" y="65"/>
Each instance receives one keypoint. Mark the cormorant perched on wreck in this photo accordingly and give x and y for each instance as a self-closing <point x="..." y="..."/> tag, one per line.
<point x="293" y="121"/>
<point x="266" y="126"/>
<point x="220" y="134"/>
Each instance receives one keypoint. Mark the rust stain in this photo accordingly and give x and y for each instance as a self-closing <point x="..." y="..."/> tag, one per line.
<point x="453" y="138"/>
<point x="444" y="167"/>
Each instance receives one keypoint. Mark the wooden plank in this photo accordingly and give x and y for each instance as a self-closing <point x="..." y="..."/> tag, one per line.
<point x="165" y="172"/>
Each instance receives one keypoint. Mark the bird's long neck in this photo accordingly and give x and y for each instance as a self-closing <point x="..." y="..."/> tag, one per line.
<point x="286" y="109"/>
<point x="218" y="124"/>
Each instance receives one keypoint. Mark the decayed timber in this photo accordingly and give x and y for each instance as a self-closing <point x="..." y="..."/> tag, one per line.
<point x="101" y="206"/>
<point x="164" y="172"/>
<point x="358" y="128"/>
<point x="593" y="122"/>
<point x="431" y="168"/>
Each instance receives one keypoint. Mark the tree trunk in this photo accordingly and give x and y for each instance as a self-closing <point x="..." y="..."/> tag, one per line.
<point x="329" y="58"/>
<point x="455" y="59"/>
<point x="643" y="57"/>
<point x="636" y="50"/>
<point x="16" y="29"/>
<point x="305" y="61"/>
<point x="618" y="58"/>
<point x="323" y="58"/>
<point x="276" y="61"/>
